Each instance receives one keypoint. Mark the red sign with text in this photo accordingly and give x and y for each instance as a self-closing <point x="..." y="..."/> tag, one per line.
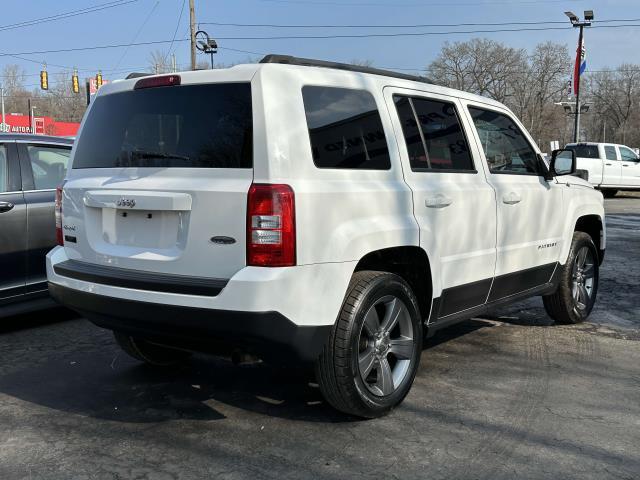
<point x="41" y="126"/>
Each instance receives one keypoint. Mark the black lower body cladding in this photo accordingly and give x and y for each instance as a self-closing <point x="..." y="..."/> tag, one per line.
<point x="269" y="335"/>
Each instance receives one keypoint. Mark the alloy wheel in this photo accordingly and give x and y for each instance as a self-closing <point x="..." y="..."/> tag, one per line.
<point x="584" y="272"/>
<point x="386" y="346"/>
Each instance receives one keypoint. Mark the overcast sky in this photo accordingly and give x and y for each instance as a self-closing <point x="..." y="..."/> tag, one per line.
<point x="123" y="24"/>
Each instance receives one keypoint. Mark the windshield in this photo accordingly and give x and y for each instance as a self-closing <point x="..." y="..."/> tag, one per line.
<point x="191" y="126"/>
<point x="585" y="151"/>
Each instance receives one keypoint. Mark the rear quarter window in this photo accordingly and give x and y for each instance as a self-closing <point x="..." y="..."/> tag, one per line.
<point x="345" y="129"/>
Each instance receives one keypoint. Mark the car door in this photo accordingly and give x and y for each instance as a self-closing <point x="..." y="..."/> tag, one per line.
<point x="43" y="168"/>
<point x="630" y="166"/>
<point x="612" y="168"/>
<point x="13" y="226"/>
<point x="529" y="208"/>
<point x="453" y="204"/>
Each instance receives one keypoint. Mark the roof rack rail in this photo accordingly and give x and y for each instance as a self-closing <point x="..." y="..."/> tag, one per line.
<point x="309" y="62"/>
<point x="137" y="75"/>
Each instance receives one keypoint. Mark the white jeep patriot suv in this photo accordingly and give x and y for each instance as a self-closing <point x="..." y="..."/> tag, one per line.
<point x="316" y="213"/>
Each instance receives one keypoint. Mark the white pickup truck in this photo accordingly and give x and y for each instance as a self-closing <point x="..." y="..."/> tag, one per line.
<point x="609" y="167"/>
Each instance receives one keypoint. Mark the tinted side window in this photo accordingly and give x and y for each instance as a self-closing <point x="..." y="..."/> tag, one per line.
<point x="505" y="146"/>
<point x="586" y="151"/>
<point x="627" y="154"/>
<point x="610" y="152"/>
<point x="439" y="142"/>
<point x="4" y="167"/>
<point x="345" y="129"/>
<point x="412" y="133"/>
<point x="49" y="165"/>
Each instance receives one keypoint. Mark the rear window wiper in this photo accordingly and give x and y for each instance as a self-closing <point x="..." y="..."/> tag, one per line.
<point x="150" y="154"/>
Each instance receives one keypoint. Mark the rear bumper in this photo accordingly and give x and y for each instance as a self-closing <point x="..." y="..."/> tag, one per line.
<point x="307" y="295"/>
<point x="269" y="334"/>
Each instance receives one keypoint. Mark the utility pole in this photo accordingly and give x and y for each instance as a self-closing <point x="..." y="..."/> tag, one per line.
<point x="575" y="21"/>
<point x="192" y="23"/>
<point x="30" y="115"/>
<point x="174" y="66"/>
<point x="4" y="119"/>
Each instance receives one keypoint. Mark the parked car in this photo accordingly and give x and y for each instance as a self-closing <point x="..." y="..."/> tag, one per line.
<point x="608" y="166"/>
<point x="31" y="167"/>
<point x="315" y="213"/>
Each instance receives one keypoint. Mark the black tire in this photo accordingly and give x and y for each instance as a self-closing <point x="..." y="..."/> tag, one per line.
<point x="562" y="305"/>
<point x="150" y="353"/>
<point x="338" y="370"/>
<point x="609" y="193"/>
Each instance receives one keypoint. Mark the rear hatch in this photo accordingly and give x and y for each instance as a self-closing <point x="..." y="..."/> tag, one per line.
<point x="159" y="180"/>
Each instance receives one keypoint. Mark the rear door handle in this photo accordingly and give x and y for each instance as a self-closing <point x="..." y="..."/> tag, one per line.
<point x="5" y="206"/>
<point x="511" y="198"/>
<point x="439" y="200"/>
<point x="608" y="164"/>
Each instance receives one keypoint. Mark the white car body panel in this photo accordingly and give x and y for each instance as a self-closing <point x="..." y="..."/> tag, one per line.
<point x="341" y="214"/>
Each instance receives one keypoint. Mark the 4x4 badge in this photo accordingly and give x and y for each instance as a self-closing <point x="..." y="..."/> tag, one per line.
<point x="126" y="202"/>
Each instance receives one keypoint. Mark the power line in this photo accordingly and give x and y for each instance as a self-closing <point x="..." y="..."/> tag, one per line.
<point x="72" y="13"/>
<point x="94" y="47"/>
<point x="423" y="25"/>
<point x="84" y="70"/>
<point x="298" y="37"/>
<point x="153" y="9"/>
<point x="302" y="37"/>
<point x="411" y="34"/>
<point x="175" y="32"/>
<point x="429" y="5"/>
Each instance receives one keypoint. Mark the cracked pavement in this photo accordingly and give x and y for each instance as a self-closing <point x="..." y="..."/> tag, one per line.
<point x="504" y="396"/>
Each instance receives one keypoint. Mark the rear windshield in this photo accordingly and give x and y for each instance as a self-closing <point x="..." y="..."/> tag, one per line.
<point x="191" y="126"/>
<point x="585" y="151"/>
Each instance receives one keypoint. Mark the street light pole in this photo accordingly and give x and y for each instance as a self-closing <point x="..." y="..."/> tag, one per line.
<point x="576" y="128"/>
<point x="4" y="119"/>
<point x="575" y="21"/>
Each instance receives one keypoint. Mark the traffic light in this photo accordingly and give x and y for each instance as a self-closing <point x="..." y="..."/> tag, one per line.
<point x="75" y="83"/>
<point x="99" y="79"/>
<point x="44" y="79"/>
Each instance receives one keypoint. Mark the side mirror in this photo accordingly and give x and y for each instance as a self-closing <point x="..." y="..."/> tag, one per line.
<point x="563" y="162"/>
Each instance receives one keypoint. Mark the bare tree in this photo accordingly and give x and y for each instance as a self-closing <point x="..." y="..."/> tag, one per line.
<point x="159" y="62"/>
<point x="541" y="82"/>
<point x="16" y="94"/>
<point x="480" y="65"/>
<point x="614" y="94"/>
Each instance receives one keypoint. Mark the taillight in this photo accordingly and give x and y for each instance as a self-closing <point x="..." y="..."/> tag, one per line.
<point x="271" y="226"/>
<point x="58" y="210"/>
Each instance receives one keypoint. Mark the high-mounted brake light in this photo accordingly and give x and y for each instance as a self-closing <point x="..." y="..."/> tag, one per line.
<point x="163" y="81"/>
<point x="271" y="226"/>
<point x="58" y="214"/>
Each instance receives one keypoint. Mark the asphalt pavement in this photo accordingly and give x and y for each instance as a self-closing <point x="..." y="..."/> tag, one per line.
<point x="505" y="396"/>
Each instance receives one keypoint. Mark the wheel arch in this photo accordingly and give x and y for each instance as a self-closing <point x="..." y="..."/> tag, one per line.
<point x="409" y="262"/>
<point x="593" y="225"/>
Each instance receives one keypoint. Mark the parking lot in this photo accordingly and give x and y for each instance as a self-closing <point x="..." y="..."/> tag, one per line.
<point x="504" y="396"/>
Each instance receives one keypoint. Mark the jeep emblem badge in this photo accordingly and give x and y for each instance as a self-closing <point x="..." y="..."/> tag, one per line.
<point x="126" y="202"/>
